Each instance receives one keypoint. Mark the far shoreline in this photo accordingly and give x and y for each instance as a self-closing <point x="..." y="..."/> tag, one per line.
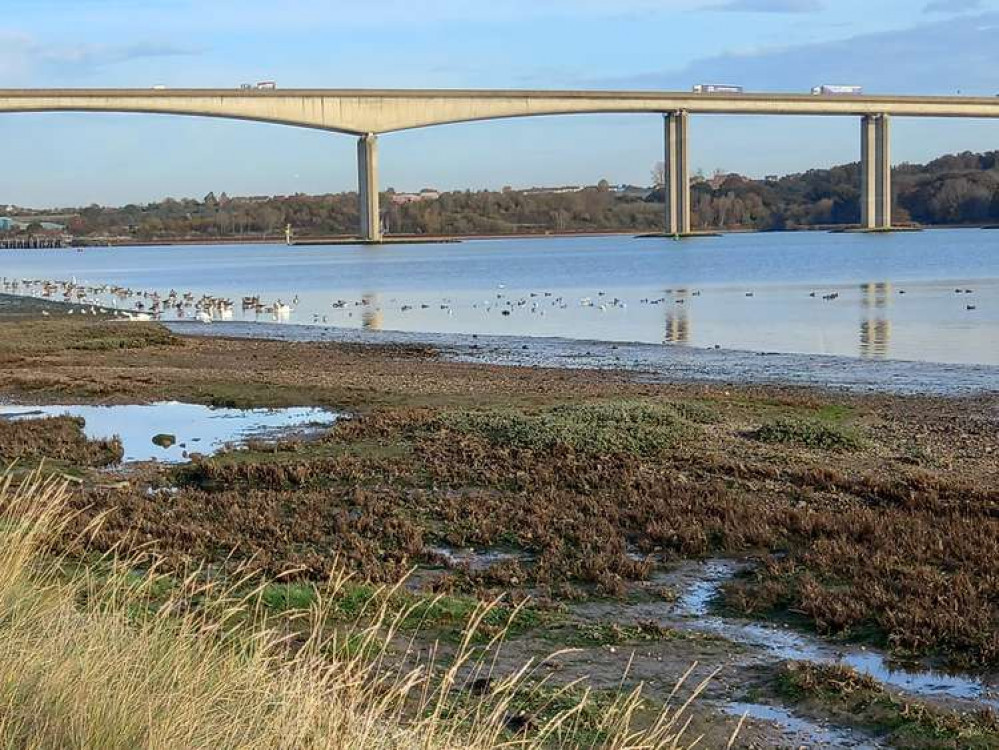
<point x="404" y="239"/>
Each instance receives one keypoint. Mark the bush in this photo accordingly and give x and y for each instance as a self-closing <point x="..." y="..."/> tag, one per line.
<point x="55" y="438"/>
<point x="636" y="428"/>
<point x="810" y="434"/>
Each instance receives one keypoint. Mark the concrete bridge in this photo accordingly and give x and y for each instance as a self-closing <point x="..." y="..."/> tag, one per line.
<point x="370" y="113"/>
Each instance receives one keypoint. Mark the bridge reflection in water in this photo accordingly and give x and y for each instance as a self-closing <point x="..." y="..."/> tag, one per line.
<point x="372" y="316"/>
<point x="678" y="328"/>
<point x="875" y="325"/>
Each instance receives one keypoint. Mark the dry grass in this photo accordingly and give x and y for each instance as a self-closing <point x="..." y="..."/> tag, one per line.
<point x="101" y="657"/>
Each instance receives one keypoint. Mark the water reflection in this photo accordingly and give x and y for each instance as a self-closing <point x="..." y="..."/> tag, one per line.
<point x="190" y="427"/>
<point x="875" y="339"/>
<point x="372" y="317"/>
<point x="677" y="325"/>
<point x="875" y="325"/>
<point x="753" y="292"/>
<point x="876" y="295"/>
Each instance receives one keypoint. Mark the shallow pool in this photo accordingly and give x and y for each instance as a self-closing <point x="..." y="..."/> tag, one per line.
<point x="170" y="431"/>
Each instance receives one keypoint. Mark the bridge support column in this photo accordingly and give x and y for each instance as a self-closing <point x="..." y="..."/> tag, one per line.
<point x="875" y="173"/>
<point x="677" y="173"/>
<point x="367" y="188"/>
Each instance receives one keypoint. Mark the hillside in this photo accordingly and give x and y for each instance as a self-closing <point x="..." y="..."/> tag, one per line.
<point x="951" y="190"/>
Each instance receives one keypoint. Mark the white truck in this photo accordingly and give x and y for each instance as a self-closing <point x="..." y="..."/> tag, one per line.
<point x="836" y="90"/>
<point x="717" y="88"/>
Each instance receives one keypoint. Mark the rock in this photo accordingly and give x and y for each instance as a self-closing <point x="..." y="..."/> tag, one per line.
<point x="164" y="440"/>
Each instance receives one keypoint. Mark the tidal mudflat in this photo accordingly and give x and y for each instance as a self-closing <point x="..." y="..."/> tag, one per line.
<point x="832" y="553"/>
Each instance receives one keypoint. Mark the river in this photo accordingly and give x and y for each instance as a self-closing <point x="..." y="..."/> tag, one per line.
<point x="930" y="296"/>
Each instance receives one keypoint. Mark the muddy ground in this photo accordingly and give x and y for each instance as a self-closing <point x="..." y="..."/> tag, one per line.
<point x="772" y="532"/>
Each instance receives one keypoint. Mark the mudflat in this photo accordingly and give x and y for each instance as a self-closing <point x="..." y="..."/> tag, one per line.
<point x="849" y="520"/>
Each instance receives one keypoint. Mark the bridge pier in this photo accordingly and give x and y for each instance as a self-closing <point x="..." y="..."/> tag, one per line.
<point x="676" y="177"/>
<point x="875" y="173"/>
<point x="367" y="188"/>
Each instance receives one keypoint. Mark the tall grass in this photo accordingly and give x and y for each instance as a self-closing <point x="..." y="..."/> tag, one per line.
<point x="101" y="657"/>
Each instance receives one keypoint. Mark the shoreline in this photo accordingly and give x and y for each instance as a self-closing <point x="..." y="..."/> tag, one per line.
<point x="647" y="363"/>
<point x="642" y="362"/>
<point x="638" y="361"/>
<point x="405" y="239"/>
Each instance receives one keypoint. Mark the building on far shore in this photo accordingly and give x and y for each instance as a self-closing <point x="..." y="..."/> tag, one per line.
<point x="427" y="194"/>
<point x="8" y="224"/>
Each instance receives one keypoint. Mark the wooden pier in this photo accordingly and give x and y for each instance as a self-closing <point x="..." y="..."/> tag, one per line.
<point x="31" y="243"/>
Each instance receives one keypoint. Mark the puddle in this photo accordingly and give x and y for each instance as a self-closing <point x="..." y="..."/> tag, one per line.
<point x="178" y="428"/>
<point x="800" y="732"/>
<point x="696" y="599"/>
<point x="478" y="560"/>
<point x="783" y="644"/>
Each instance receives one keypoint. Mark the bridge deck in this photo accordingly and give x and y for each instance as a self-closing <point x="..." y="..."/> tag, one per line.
<point x="379" y="111"/>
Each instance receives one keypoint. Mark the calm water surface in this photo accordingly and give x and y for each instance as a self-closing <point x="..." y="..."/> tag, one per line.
<point x="192" y="427"/>
<point x="930" y="296"/>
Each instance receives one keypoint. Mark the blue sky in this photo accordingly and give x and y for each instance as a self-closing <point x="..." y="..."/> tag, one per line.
<point x="914" y="46"/>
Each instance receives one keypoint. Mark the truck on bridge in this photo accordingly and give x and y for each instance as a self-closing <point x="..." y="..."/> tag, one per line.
<point x="717" y="88"/>
<point x="834" y="90"/>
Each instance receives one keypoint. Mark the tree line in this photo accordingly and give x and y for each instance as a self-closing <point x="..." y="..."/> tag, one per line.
<point x="952" y="190"/>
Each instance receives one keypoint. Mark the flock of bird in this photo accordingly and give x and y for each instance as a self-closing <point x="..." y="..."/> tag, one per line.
<point x="138" y="304"/>
<point x="141" y="304"/>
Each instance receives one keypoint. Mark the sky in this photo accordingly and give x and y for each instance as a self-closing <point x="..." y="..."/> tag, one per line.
<point x="70" y="159"/>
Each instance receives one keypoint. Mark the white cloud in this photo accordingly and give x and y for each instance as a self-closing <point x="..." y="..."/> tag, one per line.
<point x="952" y="6"/>
<point x="941" y="57"/>
<point x="21" y="54"/>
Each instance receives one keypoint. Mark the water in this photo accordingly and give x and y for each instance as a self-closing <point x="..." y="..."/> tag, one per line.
<point x="800" y="732"/>
<point x="893" y="296"/>
<point x="195" y="429"/>
<point x="649" y="363"/>
<point x="478" y="560"/>
<point x="782" y="643"/>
